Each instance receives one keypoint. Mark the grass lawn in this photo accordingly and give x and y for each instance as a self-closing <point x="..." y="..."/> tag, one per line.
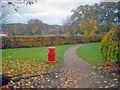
<point x="28" y="60"/>
<point x="37" y="53"/>
<point x="90" y="53"/>
<point x="22" y="60"/>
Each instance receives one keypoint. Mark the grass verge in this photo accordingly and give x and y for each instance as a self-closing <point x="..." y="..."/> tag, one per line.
<point x="90" y="53"/>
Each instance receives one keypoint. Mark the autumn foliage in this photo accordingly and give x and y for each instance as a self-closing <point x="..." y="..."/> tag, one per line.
<point x="109" y="46"/>
<point x="88" y="27"/>
<point x="38" y="41"/>
<point x="20" y="66"/>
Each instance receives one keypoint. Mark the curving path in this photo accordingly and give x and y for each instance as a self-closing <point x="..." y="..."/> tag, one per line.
<point x="80" y="74"/>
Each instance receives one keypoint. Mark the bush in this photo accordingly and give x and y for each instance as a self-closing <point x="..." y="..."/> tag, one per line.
<point x="109" y="46"/>
<point x="52" y="40"/>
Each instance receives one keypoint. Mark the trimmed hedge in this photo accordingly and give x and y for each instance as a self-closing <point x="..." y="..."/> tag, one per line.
<point x="52" y="40"/>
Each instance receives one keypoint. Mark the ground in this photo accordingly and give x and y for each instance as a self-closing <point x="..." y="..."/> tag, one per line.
<point x="82" y="75"/>
<point x="74" y="73"/>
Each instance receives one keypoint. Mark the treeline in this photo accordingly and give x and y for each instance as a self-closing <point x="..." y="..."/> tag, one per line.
<point x="92" y="19"/>
<point x="33" y="27"/>
<point x="85" y="20"/>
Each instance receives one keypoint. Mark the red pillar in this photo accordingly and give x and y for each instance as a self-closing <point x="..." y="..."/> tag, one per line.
<point x="51" y="55"/>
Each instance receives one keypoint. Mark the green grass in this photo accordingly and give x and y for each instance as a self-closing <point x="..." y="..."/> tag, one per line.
<point x="16" y="59"/>
<point x="38" y="53"/>
<point x="90" y="53"/>
<point x="24" y="60"/>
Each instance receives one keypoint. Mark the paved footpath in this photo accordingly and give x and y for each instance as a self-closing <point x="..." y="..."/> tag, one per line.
<point x="80" y="74"/>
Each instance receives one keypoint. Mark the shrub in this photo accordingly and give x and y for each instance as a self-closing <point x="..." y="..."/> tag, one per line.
<point x="52" y="40"/>
<point x="109" y="46"/>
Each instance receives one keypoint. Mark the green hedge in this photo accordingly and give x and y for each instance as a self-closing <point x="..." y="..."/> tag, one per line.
<point x="52" y="40"/>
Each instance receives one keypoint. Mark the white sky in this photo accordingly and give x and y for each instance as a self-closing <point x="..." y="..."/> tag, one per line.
<point x="48" y="11"/>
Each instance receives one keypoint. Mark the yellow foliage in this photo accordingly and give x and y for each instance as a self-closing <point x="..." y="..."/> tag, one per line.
<point x="34" y="29"/>
<point x="37" y="41"/>
<point x="109" y="46"/>
<point x="15" y="30"/>
<point x="88" y="27"/>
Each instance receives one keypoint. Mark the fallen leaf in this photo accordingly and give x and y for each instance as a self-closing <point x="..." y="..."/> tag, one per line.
<point x="98" y="82"/>
<point x="11" y="81"/>
<point x="13" y="78"/>
<point x="113" y="74"/>
<point x="115" y="79"/>
<point x="4" y="86"/>
<point x="105" y="81"/>
<point x="9" y="75"/>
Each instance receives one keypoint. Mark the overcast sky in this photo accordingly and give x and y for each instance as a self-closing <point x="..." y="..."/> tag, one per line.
<point x="52" y="12"/>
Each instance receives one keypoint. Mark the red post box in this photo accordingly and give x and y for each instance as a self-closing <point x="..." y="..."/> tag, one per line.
<point x="51" y="55"/>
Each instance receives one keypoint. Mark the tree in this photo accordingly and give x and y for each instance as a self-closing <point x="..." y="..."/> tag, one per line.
<point x="15" y="30"/>
<point x="34" y="26"/>
<point x="88" y="27"/>
<point x="108" y="15"/>
<point x="118" y="14"/>
<point x="70" y="28"/>
<point x="6" y="10"/>
<point x="67" y="27"/>
<point x="34" y="29"/>
<point x="85" y="19"/>
<point x="104" y="15"/>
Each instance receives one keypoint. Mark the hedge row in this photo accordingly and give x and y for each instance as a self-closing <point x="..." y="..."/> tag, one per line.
<point x="38" y="41"/>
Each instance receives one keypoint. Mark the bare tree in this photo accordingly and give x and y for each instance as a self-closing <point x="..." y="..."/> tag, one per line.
<point x="35" y="26"/>
<point x="8" y="7"/>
